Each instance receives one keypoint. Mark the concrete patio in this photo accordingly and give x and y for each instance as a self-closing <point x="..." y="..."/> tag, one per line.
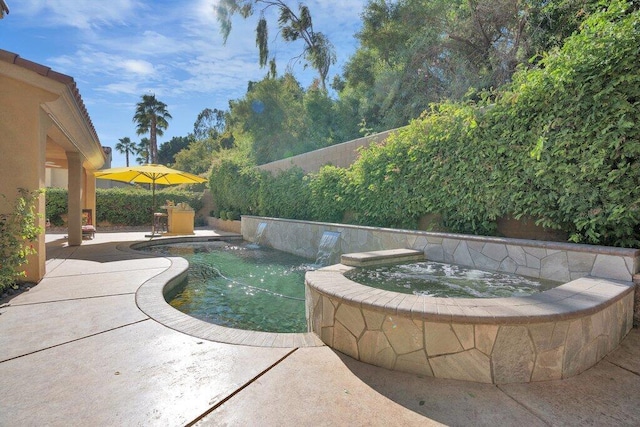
<point x="76" y="350"/>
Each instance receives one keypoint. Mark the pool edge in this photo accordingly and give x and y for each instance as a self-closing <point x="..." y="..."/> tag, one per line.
<point x="151" y="301"/>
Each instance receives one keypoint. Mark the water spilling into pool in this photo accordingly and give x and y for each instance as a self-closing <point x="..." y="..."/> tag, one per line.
<point x="448" y="280"/>
<point x="260" y="233"/>
<point x="241" y="285"/>
<point x="327" y="248"/>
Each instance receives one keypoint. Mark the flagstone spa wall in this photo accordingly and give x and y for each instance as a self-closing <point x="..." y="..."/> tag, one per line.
<point x="555" y="334"/>
<point x="540" y="259"/>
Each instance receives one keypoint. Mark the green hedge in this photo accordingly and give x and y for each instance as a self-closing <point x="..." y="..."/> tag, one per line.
<point x="285" y="195"/>
<point x="561" y="144"/>
<point x="235" y="186"/>
<point x="121" y="206"/>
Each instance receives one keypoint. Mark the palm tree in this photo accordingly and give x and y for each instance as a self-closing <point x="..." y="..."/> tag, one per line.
<point x="126" y="147"/>
<point x="151" y="116"/>
<point x="143" y="150"/>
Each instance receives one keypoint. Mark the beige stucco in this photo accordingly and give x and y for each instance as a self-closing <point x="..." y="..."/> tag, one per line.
<point x="44" y="124"/>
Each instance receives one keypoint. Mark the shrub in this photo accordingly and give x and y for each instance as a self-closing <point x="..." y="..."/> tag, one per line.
<point x="285" y="195"/>
<point x="327" y="195"/>
<point x="234" y="185"/>
<point x="122" y="206"/>
<point x="18" y="229"/>
<point x="133" y="206"/>
<point x="56" y="205"/>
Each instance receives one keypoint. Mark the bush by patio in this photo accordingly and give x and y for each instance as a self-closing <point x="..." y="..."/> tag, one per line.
<point x="121" y="206"/>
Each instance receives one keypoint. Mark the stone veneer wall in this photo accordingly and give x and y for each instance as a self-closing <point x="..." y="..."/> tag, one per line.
<point x="547" y="260"/>
<point x="553" y="335"/>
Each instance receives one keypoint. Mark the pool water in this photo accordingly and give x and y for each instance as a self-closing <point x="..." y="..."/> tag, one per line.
<point x="241" y="285"/>
<point x="448" y="280"/>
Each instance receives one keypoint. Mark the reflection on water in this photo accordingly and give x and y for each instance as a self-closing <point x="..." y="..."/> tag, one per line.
<point x="241" y="286"/>
<point x="448" y="280"/>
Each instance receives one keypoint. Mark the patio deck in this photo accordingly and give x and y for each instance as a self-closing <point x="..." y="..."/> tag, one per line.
<point x="76" y="350"/>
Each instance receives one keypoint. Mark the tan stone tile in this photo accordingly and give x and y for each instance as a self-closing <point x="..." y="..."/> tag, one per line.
<point x="403" y="334"/>
<point x="328" y="312"/>
<point x="465" y="335"/>
<point x="373" y="319"/>
<point x="548" y="365"/>
<point x="440" y="338"/>
<point x="351" y="318"/>
<point x="485" y="336"/>
<point x="470" y="365"/>
<point x="415" y="363"/>
<point x="513" y="356"/>
<point x="374" y="348"/>
<point x="344" y="341"/>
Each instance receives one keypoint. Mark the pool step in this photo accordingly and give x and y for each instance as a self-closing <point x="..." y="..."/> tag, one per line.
<point x="391" y="256"/>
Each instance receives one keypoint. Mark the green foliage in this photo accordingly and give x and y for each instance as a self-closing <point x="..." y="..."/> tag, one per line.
<point x="234" y="185"/>
<point x="416" y="52"/>
<point x="56" y="205"/>
<point x="122" y="206"/>
<point x="318" y="51"/>
<point x="151" y="117"/>
<point x="559" y="144"/>
<point x="578" y="116"/>
<point x="126" y="147"/>
<point x="327" y="201"/>
<point x="133" y="206"/>
<point x="196" y="158"/>
<point x="168" y="150"/>
<point x="18" y="230"/>
<point x="285" y="195"/>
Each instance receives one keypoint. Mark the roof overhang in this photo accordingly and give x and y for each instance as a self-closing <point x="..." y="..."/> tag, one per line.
<point x="73" y="129"/>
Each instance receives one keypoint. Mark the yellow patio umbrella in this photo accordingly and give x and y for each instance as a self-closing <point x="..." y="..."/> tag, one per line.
<point x="150" y="174"/>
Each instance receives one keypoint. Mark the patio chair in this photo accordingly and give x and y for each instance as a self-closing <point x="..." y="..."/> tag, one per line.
<point x="160" y="223"/>
<point x="88" y="230"/>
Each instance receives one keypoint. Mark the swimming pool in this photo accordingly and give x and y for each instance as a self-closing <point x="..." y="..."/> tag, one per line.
<point x="240" y="285"/>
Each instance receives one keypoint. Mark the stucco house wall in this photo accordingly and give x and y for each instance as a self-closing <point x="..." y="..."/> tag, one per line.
<point x="44" y="124"/>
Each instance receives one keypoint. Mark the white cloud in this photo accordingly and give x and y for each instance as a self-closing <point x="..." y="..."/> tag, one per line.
<point x="138" y="66"/>
<point x="79" y="14"/>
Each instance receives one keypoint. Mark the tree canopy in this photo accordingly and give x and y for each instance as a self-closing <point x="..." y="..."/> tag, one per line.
<point x="318" y="52"/>
<point x="151" y="117"/>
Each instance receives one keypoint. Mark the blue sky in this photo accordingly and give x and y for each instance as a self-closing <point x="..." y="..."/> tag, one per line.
<point x="121" y="49"/>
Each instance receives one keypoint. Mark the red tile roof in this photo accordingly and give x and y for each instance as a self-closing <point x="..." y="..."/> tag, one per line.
<point x="14" y="58"/>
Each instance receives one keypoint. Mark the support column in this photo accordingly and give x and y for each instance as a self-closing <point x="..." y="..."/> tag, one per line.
<point x="74" y="222"/>
<point x="90" y="194"/>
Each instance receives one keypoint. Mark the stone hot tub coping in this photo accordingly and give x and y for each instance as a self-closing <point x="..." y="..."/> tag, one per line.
<point x="551" y="335"/>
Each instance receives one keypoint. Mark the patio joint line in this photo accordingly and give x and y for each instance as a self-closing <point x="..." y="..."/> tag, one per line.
<point x="622" y="367"/>
<point x="74" y="340"/>
<point x="238" y="390"/>
<point x="103" y="272"/>
<point x="65" y="299"/>
<point x="524" y="406"/>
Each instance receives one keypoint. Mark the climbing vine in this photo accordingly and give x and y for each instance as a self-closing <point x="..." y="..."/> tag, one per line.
<point x="18" y="230"/>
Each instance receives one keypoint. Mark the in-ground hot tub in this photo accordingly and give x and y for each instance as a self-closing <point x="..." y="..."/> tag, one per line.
<point x="550" y="335"/>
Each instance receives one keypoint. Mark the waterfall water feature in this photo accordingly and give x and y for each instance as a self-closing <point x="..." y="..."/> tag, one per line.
<point x="260" y="232"/>
<point x="327" y="248"/>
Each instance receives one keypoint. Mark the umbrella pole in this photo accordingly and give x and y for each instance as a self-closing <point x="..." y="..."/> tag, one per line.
<point x="153" y="208"/>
